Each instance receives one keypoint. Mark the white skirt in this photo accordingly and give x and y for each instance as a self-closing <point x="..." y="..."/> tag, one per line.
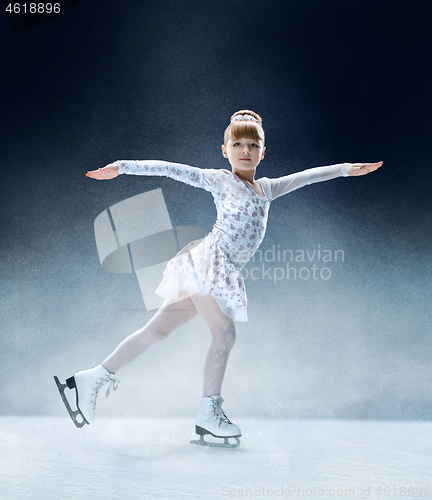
<point x="202" y="267"/>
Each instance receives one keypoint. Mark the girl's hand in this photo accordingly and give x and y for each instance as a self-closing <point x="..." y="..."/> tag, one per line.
<point x="362" y="168"/>
<point x="108" y="172"/>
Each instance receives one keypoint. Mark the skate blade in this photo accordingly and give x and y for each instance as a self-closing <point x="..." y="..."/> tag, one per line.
<point x="73" y="413"/>
<point x="226" y="444"/>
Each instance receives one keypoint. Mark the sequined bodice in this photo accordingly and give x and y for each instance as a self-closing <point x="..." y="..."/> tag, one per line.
<point x="241" y="221"/>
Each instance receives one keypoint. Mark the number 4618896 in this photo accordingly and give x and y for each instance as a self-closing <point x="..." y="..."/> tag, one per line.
<point x="33" y="8"/>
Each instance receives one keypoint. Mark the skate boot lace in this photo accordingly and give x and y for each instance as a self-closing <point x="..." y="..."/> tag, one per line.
<point x="113" y="384"/>
<point x="218" y="412"/>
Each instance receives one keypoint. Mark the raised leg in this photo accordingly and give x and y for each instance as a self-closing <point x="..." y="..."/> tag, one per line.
<point x="87" y="383"/>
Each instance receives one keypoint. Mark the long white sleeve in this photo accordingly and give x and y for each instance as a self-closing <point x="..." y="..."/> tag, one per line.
<point x="283" y="185"/>
<point x="205" y="178"/>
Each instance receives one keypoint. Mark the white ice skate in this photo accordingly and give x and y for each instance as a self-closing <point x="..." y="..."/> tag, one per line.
<point x="86" y="384"/>
<point x="211" y="419"/>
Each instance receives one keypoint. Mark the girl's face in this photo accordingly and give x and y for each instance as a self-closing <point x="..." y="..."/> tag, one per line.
<point x="244" y="154"/>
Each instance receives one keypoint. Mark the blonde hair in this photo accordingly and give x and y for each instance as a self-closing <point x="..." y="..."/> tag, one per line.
<point x="248" y="129"/>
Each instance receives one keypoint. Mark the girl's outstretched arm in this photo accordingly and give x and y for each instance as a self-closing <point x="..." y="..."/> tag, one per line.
<point x="205" y="178"/>
<point x="283" y="185"/>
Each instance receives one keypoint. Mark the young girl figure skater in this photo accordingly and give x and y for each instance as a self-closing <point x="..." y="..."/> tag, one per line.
<point x="206" y="278"/>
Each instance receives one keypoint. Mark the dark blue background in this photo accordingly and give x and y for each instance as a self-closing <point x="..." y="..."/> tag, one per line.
<point x="334" y="81"/>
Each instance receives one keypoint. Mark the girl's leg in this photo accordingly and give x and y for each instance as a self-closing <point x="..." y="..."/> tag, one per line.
<point x="88" y="382"/>
<point x="170" y="316"/>
<point x="222" y="328"/>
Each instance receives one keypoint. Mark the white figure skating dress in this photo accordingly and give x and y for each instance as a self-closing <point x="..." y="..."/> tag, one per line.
<point x="214" y="264"/>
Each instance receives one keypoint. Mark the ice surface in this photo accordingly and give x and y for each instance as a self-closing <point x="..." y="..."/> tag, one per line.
<point x="48" y="458"/>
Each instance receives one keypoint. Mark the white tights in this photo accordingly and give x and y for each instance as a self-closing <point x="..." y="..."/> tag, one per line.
<point x="170" y="316"/>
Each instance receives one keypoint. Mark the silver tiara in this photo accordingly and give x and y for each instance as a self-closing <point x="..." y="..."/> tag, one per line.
<point x="244" y="117"/>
